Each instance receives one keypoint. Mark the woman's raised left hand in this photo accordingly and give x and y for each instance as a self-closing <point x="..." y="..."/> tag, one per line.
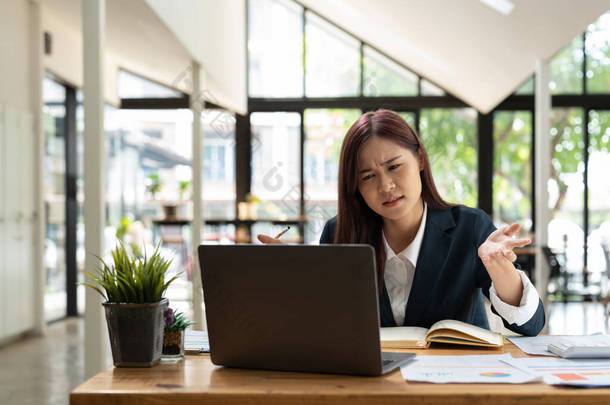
<point x="500" y="244"/>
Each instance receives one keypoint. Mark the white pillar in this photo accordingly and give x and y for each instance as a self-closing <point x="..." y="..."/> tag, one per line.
<point x="94" y="20"/>
<point x="542" y="173"/>
<point x="39" y="222"/>
<point x="196" y="107"/>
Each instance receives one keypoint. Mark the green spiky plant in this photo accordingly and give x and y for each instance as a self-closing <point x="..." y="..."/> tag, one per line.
<point x="131" y="278"/>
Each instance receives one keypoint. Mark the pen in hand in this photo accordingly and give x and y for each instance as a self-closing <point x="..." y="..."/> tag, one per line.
<point x="279" y="235"/>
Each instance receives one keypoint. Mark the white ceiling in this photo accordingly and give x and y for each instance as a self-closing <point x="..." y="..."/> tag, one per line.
<point x="214" y="32"/>
<point x="136" y="40"/>
<point x="159" y="40"/>
<point x="474" y="52"/>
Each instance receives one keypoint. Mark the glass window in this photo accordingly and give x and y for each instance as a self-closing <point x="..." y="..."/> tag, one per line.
<point x="149" y="155"/>
<point x="80" y="199"/>
<point x="429" y="89"/>
<point x="332" y="60"/>
<point x="54" y="114"/>
<point x="597" y="48"/>
<point x="566" y="186"/>
<point x="410" y="118"/>
<point x="275" y="48"/>
<point x="134" y="86"/>
<point x="324" y="132"/>
<point x="218" y="188"/>
<point x="598" y="240"/>
<point x="449" y="136"/>
<point x="276" y="178"/>
<point x="526" y="88"/>
<point x="384" y="77"/>
<point x="512" y="168"/>
<point x="566" y="69"/>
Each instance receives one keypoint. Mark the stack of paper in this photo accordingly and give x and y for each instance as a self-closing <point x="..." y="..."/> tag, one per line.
<point x="196" y="341"/>
<point x="557" y="371"/>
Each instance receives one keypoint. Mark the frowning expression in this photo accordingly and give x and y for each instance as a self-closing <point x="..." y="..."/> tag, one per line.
<point x="389" y="178"/>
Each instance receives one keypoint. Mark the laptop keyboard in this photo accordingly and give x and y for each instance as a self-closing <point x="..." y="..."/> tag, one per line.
<point x="386" y="362"/>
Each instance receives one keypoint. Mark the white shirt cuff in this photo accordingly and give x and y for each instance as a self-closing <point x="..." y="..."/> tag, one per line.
<point x="527" y="307"/>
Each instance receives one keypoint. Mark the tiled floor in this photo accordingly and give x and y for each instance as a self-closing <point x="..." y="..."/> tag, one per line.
<point x="45" y="370"/>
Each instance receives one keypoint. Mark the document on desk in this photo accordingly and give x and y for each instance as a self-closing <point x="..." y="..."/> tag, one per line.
<point x="558" y="371"/>
<point x="537" y="345"/>
<point x="196" y="341"/>
<point x="491" y="368"/>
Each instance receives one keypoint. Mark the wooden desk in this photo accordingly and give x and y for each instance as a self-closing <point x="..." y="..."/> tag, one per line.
<point x="197" y="381"/>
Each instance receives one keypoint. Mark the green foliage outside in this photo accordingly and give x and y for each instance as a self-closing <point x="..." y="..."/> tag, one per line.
<point x="131" y="279"/>
<point x="567" y="149"/>
<point x="512" y="167"/>
<point x="566" y="69"/>
<point x="449" y="136"/>
<point x="382" y="77"/>
<point x="597" y="49"/>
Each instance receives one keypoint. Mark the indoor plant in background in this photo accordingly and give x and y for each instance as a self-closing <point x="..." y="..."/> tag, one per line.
<point x="173" y="336"/>
<point x="153" y="184"/>
<point x="183" y="193"/>
<point x="133" y="288"/>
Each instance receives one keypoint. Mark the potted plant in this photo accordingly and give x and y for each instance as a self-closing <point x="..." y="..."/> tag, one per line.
<point x="183" y="187"/>
<point x="133" y="288"/>
<point x="153" y="184"/>
<point x="183" y="194"/>
<point x="173" y="335"/>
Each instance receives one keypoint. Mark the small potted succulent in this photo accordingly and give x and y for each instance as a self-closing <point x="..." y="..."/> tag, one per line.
<point x="173" y="336"/>
<point x="133" y="288"/>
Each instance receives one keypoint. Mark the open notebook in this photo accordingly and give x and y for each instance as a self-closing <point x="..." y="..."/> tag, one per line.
<point x="445" y="331"/>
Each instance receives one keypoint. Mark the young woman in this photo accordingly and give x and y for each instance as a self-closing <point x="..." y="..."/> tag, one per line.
<point x="433" y="258"/>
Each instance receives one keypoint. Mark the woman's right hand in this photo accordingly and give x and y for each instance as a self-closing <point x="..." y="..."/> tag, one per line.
<point x="268" y="240"/>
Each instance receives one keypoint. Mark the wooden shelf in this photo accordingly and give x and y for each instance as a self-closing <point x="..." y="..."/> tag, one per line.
<point x="236" y="222"/>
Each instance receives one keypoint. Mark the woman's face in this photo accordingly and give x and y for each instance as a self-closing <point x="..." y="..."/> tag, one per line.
<point x="388" y="178"/>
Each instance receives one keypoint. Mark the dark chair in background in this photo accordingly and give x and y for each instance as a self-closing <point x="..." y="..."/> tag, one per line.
<point x="558" y="280"/>
<point x="606" y="283"/>
<point x="566" y="286"/>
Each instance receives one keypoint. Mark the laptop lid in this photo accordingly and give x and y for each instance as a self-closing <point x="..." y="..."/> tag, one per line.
<point x="292" y="307"/>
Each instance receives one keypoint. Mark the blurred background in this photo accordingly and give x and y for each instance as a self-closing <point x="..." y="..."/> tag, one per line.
<point x="283" y="80"/>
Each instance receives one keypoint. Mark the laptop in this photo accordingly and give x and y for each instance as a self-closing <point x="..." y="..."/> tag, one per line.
<point x="294" y="308"/>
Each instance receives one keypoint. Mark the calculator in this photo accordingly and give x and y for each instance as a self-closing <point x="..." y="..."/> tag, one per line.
<point x="593" y="350"/>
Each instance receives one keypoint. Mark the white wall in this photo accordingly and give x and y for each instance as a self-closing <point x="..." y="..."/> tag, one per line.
<point x="17" y="226"/>
<point x="14" y="56"/>
<point x="66" y="58"/>
<point x="17" y="170"/>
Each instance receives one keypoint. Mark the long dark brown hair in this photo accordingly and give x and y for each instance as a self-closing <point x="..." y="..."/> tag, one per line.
<point x="356" y="222"/>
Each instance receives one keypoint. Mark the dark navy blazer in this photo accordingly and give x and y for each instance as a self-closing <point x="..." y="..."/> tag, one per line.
<point x="450" y="276"/>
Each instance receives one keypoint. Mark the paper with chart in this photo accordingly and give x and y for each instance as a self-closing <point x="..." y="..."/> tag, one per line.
<point x="558" y="371"/>
<point x="465" y="369"/>
<point x="537" y="345"/>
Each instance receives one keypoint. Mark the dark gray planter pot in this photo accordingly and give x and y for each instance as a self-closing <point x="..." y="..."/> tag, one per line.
<point x="136" y="332"/>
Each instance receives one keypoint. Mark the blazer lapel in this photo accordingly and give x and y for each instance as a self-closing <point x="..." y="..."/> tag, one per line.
<point x="430" y="263"/>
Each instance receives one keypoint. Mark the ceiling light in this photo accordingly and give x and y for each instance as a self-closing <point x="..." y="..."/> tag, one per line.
<point x="501" y="6"/>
